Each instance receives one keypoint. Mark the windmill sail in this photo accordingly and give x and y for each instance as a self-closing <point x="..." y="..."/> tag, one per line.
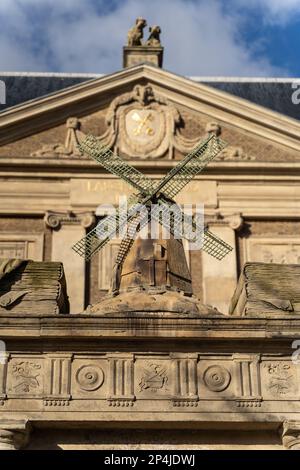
<point x="109" y="227"/>
<point x="173" y="182"/>
<point x="163" y="193"/>
<point x="190" y="166"/>
<point x="178" y="227"/>
<point x="115" y="164"/>
<point x="214" y="245"/>
<point x="133" y="227"/>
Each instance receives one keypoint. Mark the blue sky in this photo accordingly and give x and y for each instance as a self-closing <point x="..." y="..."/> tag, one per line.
<point x="201" y="37"/>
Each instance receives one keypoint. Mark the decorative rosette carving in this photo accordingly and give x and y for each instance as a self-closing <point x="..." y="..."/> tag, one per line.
<point x="90" y="377"/>
<point x="216" y="378"/>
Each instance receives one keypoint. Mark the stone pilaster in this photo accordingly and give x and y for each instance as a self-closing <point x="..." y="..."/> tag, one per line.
<point x="59" y="379"/>
<point x="220" y="277"/>
<point x="291" y="435"/>
<point x="14" y="434"/>
<point x="247" y="380"/>
<point x="185" y="392"/>
<point x="121" y="378"/>
<point x="3" y="375"/>
<point x="68" y="228"/>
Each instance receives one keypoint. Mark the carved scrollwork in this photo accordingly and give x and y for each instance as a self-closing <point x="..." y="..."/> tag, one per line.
<point x="52" y="220"/>
<point x="234" y="221"/>
<point x="216" y="378"/>
<point x="90" y="377"/>
<point x="55" y="219"/>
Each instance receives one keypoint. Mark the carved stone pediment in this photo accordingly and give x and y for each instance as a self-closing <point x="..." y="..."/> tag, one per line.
<point x="141" y="124"/>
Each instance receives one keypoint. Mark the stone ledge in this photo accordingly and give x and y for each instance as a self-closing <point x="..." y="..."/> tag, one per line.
<point x="137" y="325"/>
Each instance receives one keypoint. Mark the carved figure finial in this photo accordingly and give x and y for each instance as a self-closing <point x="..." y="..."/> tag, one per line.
<point x="154" y="36"/>
<point x="135" y="34"/>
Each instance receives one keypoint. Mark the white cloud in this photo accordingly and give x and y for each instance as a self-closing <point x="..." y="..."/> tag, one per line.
<point x="274" y="11"/>
<point x="74" y="36"/>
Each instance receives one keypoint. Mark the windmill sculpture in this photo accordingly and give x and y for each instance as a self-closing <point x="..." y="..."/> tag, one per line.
<point x="159" y="195"/>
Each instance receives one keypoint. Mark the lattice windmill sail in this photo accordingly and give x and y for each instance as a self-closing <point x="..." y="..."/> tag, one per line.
<point x="162" y="194"/>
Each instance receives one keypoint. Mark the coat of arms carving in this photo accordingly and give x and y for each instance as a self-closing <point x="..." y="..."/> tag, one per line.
<point x="143" y="123"/>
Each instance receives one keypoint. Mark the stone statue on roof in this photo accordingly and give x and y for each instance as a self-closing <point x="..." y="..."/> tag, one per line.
<point x="136" y="34"/>
<point x="154" y="37"/>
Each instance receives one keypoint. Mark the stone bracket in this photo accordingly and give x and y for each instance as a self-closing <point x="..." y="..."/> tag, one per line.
<point x="291" y="435"/>
<point x="14" y="434"/>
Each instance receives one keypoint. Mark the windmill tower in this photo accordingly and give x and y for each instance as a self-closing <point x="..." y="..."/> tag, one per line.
<point x="148" y="265"/>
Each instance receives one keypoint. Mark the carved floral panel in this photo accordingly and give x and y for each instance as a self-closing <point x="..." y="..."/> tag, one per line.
<point x="279" y="379"/>
<point x="122" y="379"/>
<point x="25" y="376"/>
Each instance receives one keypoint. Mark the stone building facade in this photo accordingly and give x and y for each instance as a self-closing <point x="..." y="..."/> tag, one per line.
<point x="50" y="195"/>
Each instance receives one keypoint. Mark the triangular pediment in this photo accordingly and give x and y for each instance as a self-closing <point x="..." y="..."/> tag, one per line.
<point x="250" y="130"/>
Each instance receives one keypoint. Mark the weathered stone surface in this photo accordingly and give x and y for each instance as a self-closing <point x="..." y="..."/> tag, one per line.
<point x="27" y="285"/>
<point x="14" y="434"/>
<point x="141" y="371"/>
<point x="167" y="301"/>
<point x="291" y="435"/>
<point x="155" y="439"/>
<point x="267" y="289"/>
<point x="135" y="55"/>
<point x="197" y="378"/>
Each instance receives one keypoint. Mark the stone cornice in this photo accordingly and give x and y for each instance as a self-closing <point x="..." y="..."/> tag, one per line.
<point x="140" y="326"/>
<point x="222" y="170"/>
<point x="54" y="109"/>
